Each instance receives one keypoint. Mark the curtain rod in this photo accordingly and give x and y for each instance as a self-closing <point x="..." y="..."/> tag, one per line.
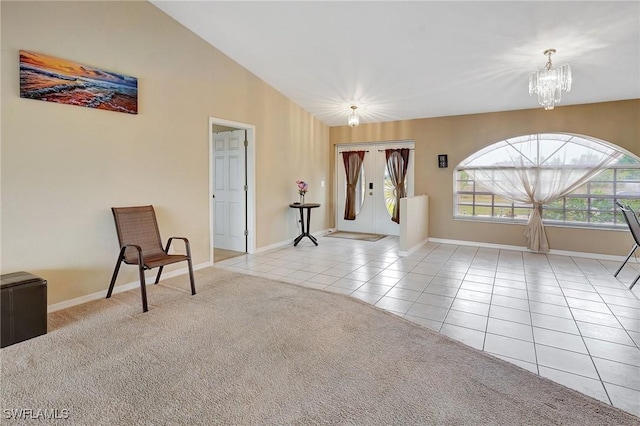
<point x="380" y="150"/>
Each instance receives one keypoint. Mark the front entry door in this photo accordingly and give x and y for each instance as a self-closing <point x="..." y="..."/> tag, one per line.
<point x="229" y="190"/>
<point x="374" y="192"/>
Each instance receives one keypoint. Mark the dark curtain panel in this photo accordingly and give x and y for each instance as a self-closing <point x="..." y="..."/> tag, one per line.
<point x="352" y="165"/>
<point x="397" y="163"/>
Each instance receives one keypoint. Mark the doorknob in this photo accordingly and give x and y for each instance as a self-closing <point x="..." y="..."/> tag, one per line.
<point x="371" y="193"/>
<point x="213" y="196"/>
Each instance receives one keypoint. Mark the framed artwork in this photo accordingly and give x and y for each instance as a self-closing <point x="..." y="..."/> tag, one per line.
<point x="51" y="79"/>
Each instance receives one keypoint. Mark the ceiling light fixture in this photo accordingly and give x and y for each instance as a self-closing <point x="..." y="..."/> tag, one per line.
<point x="549" y="83"/>
<point x="354" y="119"/>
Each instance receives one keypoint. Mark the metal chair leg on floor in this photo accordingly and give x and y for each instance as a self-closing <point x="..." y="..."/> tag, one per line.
<point x="635" y="246"/>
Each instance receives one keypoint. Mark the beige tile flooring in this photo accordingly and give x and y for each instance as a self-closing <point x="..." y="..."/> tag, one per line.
<point x="564" y="318"/>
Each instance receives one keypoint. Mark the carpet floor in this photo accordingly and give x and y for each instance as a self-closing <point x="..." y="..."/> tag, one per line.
<point x="247" y="350"/>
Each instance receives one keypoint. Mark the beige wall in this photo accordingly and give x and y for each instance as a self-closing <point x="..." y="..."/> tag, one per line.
<point x="63" y="167"/>
<point x="414" y="222"/>
<point x="460" y="136"/>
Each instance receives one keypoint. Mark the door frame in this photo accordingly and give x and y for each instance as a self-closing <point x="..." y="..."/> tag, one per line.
<point x="355" y="146"/>
<point x="251" y="182"/>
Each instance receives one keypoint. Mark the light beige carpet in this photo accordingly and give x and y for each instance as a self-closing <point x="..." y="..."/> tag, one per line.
<point x="355" y="236"/>
<point x="247" y="350"/>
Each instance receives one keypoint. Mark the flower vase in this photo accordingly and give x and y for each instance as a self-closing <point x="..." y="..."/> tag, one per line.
<point x="301" y="198"/>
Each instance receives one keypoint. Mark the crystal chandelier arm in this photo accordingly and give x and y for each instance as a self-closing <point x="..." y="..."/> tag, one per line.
<point x="548" y="82"/>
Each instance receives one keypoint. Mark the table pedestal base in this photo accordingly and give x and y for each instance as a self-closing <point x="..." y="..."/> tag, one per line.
<point x="306" y="234"/>
<point x="303" y="225"/>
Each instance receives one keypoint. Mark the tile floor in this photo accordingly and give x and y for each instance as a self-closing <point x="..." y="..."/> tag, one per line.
<point x="564" y="318"/>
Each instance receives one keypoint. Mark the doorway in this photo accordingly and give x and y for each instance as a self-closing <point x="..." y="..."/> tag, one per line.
<point x="375" y="194"/>
<point x="231" y="189"/>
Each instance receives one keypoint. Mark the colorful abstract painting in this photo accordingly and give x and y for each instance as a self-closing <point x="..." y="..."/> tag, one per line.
<point x="51" y="79"/>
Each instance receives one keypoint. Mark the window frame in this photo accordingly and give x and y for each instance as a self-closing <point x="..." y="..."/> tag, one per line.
<point x="585" y="192"/>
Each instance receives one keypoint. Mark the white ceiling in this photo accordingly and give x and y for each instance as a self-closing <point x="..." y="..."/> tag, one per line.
<point x="414" y="59"/>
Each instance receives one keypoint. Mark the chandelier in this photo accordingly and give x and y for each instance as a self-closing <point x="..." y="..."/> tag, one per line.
<point x="549" y="82"/>
<point x="354" y="119"/>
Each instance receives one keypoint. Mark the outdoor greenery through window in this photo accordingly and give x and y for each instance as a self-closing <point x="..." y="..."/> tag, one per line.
<point x="390" y="192"/>
<point x="590" y="204"/>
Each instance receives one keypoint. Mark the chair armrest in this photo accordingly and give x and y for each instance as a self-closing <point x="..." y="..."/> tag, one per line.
<point x="138" y="249"/>
<point x="186" y="244"/>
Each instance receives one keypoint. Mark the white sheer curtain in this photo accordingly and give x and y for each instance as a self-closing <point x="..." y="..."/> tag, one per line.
<point x="537" y="170"/>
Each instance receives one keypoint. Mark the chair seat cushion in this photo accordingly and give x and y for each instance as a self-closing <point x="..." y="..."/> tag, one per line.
<point x="155" y="260"/>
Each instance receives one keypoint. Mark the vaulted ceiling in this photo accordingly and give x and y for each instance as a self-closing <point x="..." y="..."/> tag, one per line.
<point x="402" y="60"/>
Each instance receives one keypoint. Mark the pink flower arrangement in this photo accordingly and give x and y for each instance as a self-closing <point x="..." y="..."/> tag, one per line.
<point x="303" y="187"/>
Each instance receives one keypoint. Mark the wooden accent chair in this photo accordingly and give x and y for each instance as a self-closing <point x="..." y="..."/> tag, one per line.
<point x="140" y="245"/>
<point x="634" y="226"/>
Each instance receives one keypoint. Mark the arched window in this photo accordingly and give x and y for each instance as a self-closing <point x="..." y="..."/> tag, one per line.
<point x="570" y="179"/>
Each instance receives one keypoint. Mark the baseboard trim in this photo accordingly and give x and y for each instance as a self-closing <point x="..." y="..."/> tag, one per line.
<point x="120" y="288"/>
<point x="289" y="242"/>
<point x="136" y="284"/>
<point x="524" y="249"/>
<point x="414" y="248"/>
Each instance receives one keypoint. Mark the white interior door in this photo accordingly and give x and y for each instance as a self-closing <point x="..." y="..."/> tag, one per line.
<point x="229" y="190"/>
<point x="373" y="212"/>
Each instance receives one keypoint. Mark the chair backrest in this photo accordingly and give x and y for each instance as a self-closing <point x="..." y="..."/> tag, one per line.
<point x="137" y="225"/>
<point x="632" y="220"/>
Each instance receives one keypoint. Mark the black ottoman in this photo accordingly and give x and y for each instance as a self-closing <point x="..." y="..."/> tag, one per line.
<point x="23" y="313"/>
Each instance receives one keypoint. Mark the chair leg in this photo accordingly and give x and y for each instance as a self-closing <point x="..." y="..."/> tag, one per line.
<point x="193" y="283"/>
<point x="634" y="281"/>
<point x="143" y="285"/>
<point x="635" y="246"/>
<point x="115" y="272"/>
<point x="158" y="276"/>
